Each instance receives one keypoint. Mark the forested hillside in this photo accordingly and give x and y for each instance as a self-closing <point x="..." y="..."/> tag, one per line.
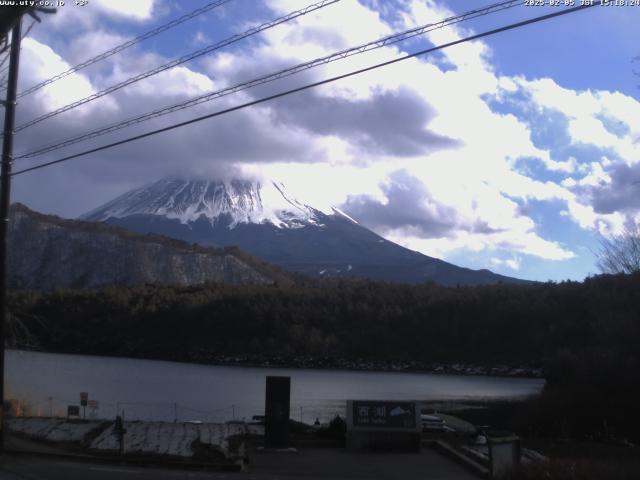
<point x="496" y="324"/>
<point x="586" y="335"/>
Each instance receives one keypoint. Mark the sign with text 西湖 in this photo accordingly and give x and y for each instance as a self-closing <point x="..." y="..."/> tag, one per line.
<point x="382" y="415"/>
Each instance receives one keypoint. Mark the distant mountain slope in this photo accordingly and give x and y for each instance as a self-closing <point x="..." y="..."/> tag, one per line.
<point x="266" y="221"/>
<point x="47" y="252"/>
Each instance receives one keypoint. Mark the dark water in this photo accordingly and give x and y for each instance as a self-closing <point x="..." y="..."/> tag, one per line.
<point x="156" y="390"/>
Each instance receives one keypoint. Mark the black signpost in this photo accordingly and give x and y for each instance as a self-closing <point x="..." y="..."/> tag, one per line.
<point x="73" y="411"/>
<point x="84" y="399"/>
<point x="119" y="431"/>
<point x="276" y="424"/>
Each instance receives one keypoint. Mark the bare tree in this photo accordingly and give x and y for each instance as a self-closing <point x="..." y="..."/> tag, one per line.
<point x="621" y="253"/>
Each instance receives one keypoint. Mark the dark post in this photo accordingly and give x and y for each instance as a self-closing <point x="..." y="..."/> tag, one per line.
<point x="119" y="430"/>
<point x="5" y="198"/>
<point x="276" y="421"/>
<point x="84" y="399"/>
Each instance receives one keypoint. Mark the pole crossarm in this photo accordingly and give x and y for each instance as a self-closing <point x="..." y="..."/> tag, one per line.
<point x="10" y="16"/>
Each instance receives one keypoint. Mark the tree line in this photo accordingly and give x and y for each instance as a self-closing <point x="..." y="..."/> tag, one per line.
<point x="585" y="334"/>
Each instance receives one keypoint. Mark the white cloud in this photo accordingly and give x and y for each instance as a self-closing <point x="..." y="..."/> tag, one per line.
<point x="333" y="26"/>
<point x="525" y="243"/>
<point x="176" y="82"/>
<point x="200" y="38"/>
<point x="468" y="56"/>
<point x="91" y="42"/>
<point x="586" y="111"/>
<point x="138" y="10"/>
<point x="472" y="191"/>
<point x="39" y="63"/>
<point x="599" y="194"/>
<point x="512" y="263"/>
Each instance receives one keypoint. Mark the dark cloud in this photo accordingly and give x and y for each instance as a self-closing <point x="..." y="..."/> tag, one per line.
<point x="212" y="147"/>
<point x="409" y="206"/>
<point x="284" y="130"/>
<point x="389" y="123"/>
<point x="621" y="195"/>
<point x="482" y="226"/>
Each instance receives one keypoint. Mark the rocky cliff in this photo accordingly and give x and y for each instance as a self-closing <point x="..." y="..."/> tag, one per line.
<point x="47" y="252"/>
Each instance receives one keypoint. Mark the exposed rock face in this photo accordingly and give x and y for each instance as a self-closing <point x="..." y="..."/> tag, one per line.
<point x="47" y="252"/>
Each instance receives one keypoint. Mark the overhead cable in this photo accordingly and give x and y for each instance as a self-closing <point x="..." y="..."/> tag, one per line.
<point x="384" y="41"/>
<point x="4" y="68"/>
<point x="511" y="26"/>
<point x="178" y="61"/>
<point x="125" y="45"/>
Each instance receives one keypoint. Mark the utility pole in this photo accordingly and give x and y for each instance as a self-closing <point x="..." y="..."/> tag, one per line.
<point x="5" y="198"/>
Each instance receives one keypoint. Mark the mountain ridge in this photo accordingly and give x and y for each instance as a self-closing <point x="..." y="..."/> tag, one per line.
<point x="269" y="223"/>
<point x="48" y="252"/>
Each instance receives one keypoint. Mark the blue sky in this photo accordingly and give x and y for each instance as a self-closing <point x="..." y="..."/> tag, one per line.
<point x="515" y="153"/>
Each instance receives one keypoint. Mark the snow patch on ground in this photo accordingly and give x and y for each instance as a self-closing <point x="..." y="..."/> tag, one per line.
<point x="176" y="439"/>
<point x="146" y="438"/>
<point x="53" y="429"/>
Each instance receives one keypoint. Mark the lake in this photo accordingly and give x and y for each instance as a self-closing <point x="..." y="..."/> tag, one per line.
<point x="44" y="383"/>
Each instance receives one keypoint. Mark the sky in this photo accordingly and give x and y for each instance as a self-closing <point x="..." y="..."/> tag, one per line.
<point x="516" y="153"/>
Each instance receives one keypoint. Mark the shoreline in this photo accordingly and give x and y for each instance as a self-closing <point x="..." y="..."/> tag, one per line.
<point x="331" y="364"/>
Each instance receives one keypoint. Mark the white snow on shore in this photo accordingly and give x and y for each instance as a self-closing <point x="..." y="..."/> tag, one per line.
<point x="52" y="429"/>
<point x="146" y="438"/>
<point x="176" y="439"/>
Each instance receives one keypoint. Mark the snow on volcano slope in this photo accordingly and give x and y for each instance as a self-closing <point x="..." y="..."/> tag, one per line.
<point x="235" y="201"/>
<point x="266" y="221"/>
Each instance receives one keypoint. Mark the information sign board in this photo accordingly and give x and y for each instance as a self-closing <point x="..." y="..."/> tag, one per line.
<point x="381" y="415"/>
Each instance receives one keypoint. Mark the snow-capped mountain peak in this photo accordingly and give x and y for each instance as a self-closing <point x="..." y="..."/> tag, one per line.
<point x="267" y="221"/>
<point x="237" y="201"/>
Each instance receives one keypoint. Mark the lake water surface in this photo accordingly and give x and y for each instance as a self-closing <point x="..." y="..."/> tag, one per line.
<point x="46" y="383"/>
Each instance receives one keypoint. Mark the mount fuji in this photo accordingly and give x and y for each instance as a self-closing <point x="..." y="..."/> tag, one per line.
<point x="263" y="219"/>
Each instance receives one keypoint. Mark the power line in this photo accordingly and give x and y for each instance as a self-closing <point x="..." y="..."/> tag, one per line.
<point x="384" y="41"/>
<point x="178" y="61"/>
<point x="4" y="69"/>
<point x="25" y="34"/>
<point x="3" y="81"/>
<point x="511" y="26"/>
<point x="125" y="45"/>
